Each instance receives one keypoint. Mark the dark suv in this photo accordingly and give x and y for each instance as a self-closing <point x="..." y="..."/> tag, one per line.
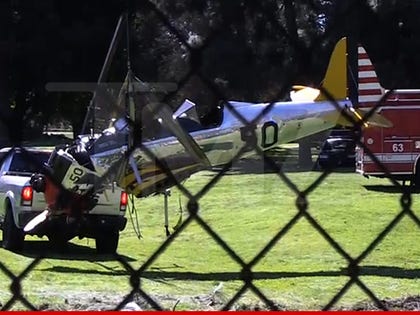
<point x="337" y="152"/>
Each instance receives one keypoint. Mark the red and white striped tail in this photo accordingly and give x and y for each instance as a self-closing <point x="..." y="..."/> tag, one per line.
<point x="370" y="90"/>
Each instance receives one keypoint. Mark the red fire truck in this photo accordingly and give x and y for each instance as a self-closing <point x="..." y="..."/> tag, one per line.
<point x="398" y="147"/>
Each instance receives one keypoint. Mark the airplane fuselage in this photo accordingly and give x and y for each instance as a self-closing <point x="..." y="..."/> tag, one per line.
<point x="283" y="123"/>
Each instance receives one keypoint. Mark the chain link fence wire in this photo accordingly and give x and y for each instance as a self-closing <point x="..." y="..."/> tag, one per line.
<point x="246" y="274"/>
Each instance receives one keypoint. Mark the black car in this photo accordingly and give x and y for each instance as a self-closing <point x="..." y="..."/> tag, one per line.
<point x="337" y="152"/>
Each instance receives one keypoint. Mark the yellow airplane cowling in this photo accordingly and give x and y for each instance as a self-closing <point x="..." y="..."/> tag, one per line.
<point x="304" y="94"/>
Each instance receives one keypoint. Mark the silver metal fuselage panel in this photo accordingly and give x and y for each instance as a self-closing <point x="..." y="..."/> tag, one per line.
<point x="283" y="123"/>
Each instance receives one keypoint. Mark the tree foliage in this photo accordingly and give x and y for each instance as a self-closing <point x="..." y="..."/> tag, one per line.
<point x="213" y="49"/>
<point x="50" y="41"/>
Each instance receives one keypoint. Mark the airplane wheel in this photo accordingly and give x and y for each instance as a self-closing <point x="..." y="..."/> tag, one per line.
<point x="13" y="237"/>
<point x="107" y="243"/>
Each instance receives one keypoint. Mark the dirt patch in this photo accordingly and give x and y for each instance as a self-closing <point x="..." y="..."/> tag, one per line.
<point x="203" y="302"/>
<point x="107" y="302"/>
<point x="409" y="303"/>
<point x="100" y="302"/>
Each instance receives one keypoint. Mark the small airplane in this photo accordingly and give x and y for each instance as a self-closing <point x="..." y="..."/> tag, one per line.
<point x="181" y="144"/>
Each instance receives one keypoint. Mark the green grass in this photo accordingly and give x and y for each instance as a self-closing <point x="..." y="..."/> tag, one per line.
<point x="246" y="209"/>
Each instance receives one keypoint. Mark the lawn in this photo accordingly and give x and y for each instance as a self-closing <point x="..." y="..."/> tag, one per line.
<point x="246" y="208"/>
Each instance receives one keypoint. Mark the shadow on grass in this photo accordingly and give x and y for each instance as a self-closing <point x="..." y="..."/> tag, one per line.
<point x="389" y="271"/>
<point x="381" y="271"/>
<point x="71" y="251"/>
<point x="256" y="166"/>
<point x="163" y="276"/>
<point x="390" y="189"/>
<point x="73" y="270"/>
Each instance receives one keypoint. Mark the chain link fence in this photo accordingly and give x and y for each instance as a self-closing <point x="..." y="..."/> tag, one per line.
<point x="246" y="274"/>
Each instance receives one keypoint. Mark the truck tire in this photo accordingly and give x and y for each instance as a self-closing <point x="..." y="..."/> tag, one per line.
<point x="416" y="176"/>
<point x="58" y="243"/>
<point x="13" y="237"/>
<point x="107" y="243"/>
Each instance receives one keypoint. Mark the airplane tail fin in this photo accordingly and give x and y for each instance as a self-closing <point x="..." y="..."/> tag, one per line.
<point x="370" y="89"/>
<point x="334" y="84"/>
<point x="335" y="80"/>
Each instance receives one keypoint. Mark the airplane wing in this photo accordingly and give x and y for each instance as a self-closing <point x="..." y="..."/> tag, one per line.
<point x="154" y="178"/>
<point x="375" y="119"/>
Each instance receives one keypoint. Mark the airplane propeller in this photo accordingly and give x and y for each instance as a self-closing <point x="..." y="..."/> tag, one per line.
<point x="164" y="114"/>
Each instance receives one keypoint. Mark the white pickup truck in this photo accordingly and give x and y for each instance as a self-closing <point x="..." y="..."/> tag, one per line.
<point x="20" y="203"/>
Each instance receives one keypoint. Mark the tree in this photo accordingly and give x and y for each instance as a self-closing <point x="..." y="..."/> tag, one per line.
<point x="213" y="49"/>
<point x="51" y="42"/>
